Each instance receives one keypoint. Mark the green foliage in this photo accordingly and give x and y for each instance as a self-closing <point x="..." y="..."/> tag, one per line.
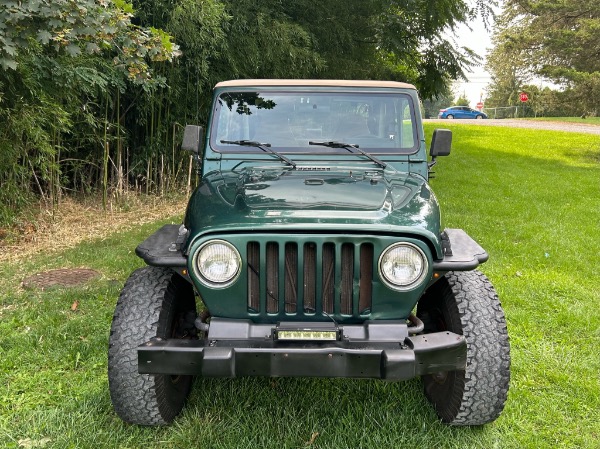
<point x="64" y="60"/>
<point x="461" y="100"/>
<point x="432" y="107"/>
<point x="551" y="39"/>
<point x="78" y="26"/>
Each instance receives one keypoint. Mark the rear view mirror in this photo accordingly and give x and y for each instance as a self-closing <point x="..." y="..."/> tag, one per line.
<point x="191" y="138"/>
<point x="441" y="142"/>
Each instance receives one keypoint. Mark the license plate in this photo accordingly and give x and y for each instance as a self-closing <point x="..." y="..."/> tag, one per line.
<point x="306" y="335"/>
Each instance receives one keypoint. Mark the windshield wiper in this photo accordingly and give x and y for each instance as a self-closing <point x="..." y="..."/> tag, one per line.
<point x="350" y="147"/>
<point x="262" y="146"/>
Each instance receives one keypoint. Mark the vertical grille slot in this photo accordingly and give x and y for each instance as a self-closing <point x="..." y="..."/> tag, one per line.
<point x="365" y="291"/>
<point x="310" y="277"/>
<point x="347" y="279"/>
<point x="328" y="277"/>
<point x="272" y="277"/>
<point x="253" y="258"/>
<point x="291" y="277"/>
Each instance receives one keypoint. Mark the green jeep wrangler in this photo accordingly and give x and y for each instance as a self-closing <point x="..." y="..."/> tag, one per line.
<point x="314" y="246"/>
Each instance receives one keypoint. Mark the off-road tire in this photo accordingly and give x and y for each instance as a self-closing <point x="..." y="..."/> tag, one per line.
<point x="155" y="302"/>
<point x="467" y="304"/>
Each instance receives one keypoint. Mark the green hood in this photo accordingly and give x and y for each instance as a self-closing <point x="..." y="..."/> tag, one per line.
<point x="336" y="199"/>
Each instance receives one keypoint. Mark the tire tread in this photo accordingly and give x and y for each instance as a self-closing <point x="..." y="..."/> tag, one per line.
<point x="144" y="310"/>
<point x="478" y="396"/>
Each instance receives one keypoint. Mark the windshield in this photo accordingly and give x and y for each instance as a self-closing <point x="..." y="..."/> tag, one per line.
<point x="375" y="122"/>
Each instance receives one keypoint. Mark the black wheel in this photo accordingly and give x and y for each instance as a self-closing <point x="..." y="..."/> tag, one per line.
<point x="450" y="116"/>
<point x="466" y="303"/>
<point x="479" y="117"/>
<point x="155" y="302"/>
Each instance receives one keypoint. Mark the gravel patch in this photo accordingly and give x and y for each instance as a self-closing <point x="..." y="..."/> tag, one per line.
<point x="531" y="124"/>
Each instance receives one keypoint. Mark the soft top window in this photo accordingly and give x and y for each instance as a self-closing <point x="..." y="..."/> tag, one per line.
<point x="288" y="121"/>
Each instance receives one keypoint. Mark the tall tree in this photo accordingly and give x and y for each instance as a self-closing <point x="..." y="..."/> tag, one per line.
<point x="369" y="39"/>
<point x="507" y="66"/>
<point x="554" y="39"/>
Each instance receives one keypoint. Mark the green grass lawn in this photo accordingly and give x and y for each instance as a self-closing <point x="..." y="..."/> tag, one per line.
<point x="531" y="198"/>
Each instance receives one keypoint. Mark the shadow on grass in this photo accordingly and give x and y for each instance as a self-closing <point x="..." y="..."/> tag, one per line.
<point x="287" y="412"/>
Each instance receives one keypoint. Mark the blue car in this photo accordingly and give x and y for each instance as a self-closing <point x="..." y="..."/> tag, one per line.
<point x="461" y="112"/>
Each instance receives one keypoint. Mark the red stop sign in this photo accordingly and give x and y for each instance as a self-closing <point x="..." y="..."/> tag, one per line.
<point x="523" y="97"/>
<point x="480" y="105"/>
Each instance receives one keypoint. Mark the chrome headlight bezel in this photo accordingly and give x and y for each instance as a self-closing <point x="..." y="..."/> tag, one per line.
<point x="202" y="276"/>
<point x="418" y="280"/>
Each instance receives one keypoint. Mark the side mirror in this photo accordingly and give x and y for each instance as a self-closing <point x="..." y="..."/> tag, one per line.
<point x="441" y="142"/>
<point x="191" y="139"/>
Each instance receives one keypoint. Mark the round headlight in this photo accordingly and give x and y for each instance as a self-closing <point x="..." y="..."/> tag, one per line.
<point x="402" y="266"/>
<point x="218" y="263"/>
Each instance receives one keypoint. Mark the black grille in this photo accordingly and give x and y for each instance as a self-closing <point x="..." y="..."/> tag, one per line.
<point x="322" y="278"/>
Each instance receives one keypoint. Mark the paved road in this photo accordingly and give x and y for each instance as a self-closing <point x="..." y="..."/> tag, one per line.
<point x="535" y="124"/>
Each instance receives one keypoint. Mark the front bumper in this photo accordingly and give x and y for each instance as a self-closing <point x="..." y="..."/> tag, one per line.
<point x="382" y="350"/>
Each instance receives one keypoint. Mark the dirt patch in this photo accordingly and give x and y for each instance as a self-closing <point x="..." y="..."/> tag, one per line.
<point x="73" y="222"/>
<point x="63" y="277"/>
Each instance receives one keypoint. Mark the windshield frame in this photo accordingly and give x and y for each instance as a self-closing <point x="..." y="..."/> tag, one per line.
<point x="216" y="146"/>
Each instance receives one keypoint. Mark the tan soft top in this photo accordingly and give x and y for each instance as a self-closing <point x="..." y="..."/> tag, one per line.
<point x="314" y="83"/>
